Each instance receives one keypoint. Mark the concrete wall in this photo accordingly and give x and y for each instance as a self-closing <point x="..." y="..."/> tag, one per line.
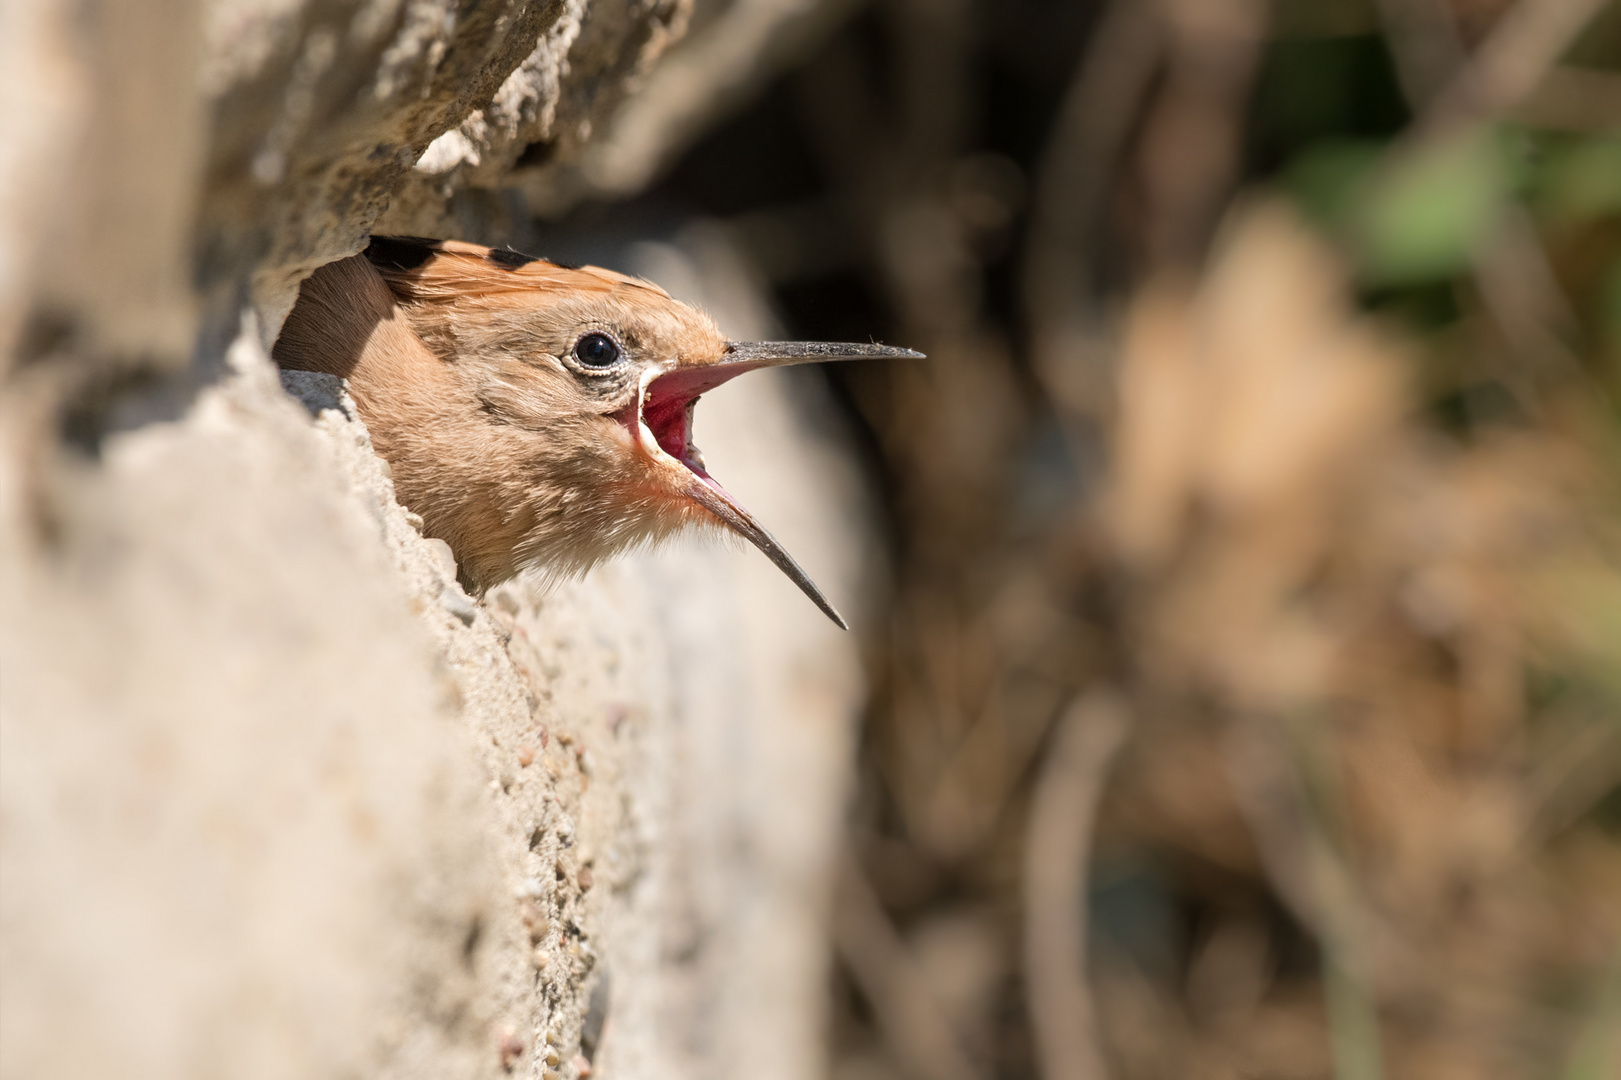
<point x="277" y="799"/>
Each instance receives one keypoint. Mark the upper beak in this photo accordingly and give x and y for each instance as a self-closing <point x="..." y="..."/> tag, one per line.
<point x="741" y="356"/>
<point x="671" y="394"/>
<point x="773" y="353"/>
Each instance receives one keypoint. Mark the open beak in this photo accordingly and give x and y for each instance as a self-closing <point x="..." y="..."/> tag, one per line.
<point x="666" y="420"/>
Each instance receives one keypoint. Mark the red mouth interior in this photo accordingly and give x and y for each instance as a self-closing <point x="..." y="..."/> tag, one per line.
<point x="666" y="409"/>
<point x="667" y="412"/>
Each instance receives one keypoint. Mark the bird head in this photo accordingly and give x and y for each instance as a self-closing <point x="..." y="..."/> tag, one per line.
<point x="547" y="418"/>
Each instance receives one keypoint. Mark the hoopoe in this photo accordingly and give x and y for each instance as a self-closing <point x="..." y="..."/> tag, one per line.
<point x="533" y="413"/>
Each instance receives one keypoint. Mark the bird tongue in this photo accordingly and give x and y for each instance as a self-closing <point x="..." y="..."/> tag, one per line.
<point x="667" y="407"/>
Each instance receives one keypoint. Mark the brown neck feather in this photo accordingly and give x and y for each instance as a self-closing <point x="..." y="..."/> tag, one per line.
<point x="421" y="419"/>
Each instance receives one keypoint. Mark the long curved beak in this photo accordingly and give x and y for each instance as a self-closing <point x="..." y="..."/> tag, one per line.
<point x="718" y="501"/>
<point x="666" y="412"/>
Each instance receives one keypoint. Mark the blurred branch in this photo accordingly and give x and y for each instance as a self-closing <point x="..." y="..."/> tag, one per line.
<point x="1573" y="99"/>
<point x="714" y="70"/>
<point x="1583" y="767"/>
<point x="1189" y="160"/>
<point x="1511" y="269"/>
<point x="1191" y="145"/>
<point x="1309" y="876"/>
<point x="1447" y="87"/>
<point x="887" y="167"/>
<point x="1509" y="64"/>
<point x="1317" y="886"/>
<point x="1513" y="272"/>
<point x="936" y="43"/>
<point x="1520" y="289"/>
<point x="1072" y="188"/>
<point x="1057" y="846"/>
<point x="912" y="1022"/>
<point x="1425" y="43"/>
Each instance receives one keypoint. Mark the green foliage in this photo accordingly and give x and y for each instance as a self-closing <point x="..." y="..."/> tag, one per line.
<point x="1423" y="214"/>
<point x="1410" y="217"/>
<point x="1413" y="217"/>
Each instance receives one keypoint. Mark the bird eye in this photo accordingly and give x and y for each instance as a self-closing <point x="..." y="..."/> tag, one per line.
<point x="596" y="350"/>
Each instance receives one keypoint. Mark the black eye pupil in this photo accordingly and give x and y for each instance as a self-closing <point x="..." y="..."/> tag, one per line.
<point x="596" y="350"/>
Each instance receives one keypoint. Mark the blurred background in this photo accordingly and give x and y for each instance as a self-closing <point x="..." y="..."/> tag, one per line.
<point x="1247" y="700"/>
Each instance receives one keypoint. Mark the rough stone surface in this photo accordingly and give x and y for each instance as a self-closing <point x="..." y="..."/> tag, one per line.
<point x="321" y="111"/>
<point x="277" y="798"/>
<point x="242" y="829"/>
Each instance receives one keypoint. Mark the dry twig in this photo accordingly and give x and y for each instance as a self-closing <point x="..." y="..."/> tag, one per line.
<point x="1057" y="846"/>
<point x="1072" y="188"/>
<point x="1511" y="269"/>
<point x="911" y="1020"/>
<point x="1510" y="63"/>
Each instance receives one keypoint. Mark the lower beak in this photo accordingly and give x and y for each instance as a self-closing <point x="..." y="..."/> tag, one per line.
<point x="718" y="501"/>
<point x="669" y="396"/>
